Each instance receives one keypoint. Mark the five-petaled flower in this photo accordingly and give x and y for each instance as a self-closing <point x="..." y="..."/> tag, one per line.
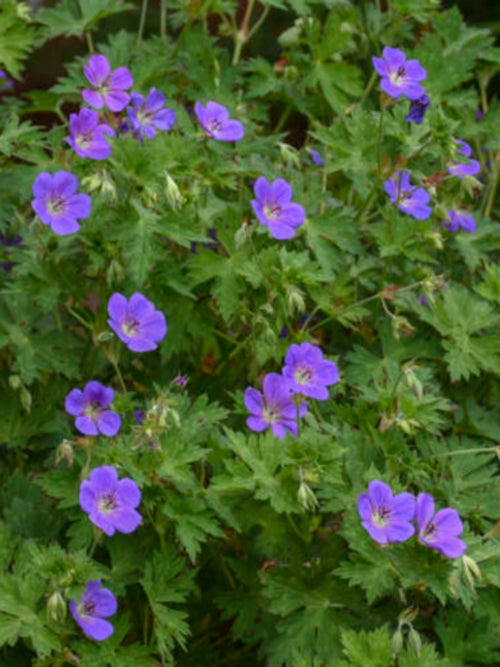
<point x="274" y="208"/>
<point x="136" y="322"/>
<point x="386" y="518"/>
<point x="400" y="76"/>
<point x="91" y="409"/>
<point x="418" y="109"/>
<point x="88" y="135"/>
<point x="459" y="220"/>
<point x="308" y="373"/>
<point x="411" y="200"/>
<point x="95" y="605"/>
<point x="111" y="503"/>
<point x="146" y="114"/>
<point x="109" y="86"/>
<point x="214" y="119"/>
<point x="439" y="531"/>
<point x="274" y="410"/>
<point x="57" y="204"/>
<point x="469" y="167"/>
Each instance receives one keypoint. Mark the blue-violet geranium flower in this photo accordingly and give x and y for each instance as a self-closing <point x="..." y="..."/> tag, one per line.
<point x="88" y="135"/>
<point x="469" y="167"/>
<point x="459" y="220"/>
<point x="308" y="373"/>
<point x="439" y="531"/>
<point x="109" y="86"/>
<point x="57" y="203"/>
<point x="399" y="75"/>
<point x="95" y="605"/>
<point x="136" y="322"/>
<point x="147" y="115"/>
<point x="214" y="119"/>
<point x="91" y="409"/>
<point x="385" y="517"/>
<point x="274" y="409"/>
<point x="411" y="200"/>
<point x="274" y="208"/>
<point x="111" y="503"/>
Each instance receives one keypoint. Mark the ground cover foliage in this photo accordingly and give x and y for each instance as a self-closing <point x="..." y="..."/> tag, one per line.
<point x="251" y="549"/>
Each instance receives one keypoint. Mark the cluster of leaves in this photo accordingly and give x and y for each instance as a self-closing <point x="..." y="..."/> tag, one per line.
<point x="251" y="550"/>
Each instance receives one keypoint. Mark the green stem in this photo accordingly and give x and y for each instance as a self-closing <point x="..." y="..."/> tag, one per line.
<point x="474" y="450"/>
<point x="242" y="34"/>
<point x="90" y="43"/>
<point x="142" y="21"/>
<point x="492" y="193"/>
<point x="379" y="146"/>
<point x="283" y="117"/>
<point x="163" y="20"/>
<point x="368" y="89"/>
<point x="119" y="375"/>
<point x="259" y="22"/>
<point x="79" y="318"/>
<point x="294" y="527"/>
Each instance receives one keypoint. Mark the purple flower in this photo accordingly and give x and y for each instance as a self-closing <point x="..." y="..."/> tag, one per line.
<point x="418" y="109"/>
<point x="308" y="373"/>
<point x="316" y="158"/>
<point x="468" y="168"/>
<point x="57" y="204"/>
<point x="439" y="531"/>
<point x="479" y="115"/>
<point x="90" y="407"/>
<point x="412" y="201"/>
<point x="147" y="115"/>
<point x="136" y="322"/>
<point x="400" y="76"/>
<point x="111" y="504"/>
<point x="457" y="220"/>
<point x="180" y="380"/>
<point x="275" y="409"/>
<point x="385" y="517"/>
<point x="139" y="416"/>
<point x="95" y="605"/>
<point x="424" y="301"/>
<point x="5" y="81"/>
<point x="110" y="86"/>
<point x="214" y="119"/>
<point x="274" y="208"/>
<point x="88" y="136"/>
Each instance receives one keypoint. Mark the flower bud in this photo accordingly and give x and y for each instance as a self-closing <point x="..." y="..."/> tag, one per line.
<point x="65" y="452"/>
<point x="56" y="607"/>
<point x="289" y="154"/>
<point x="414" y="640"/>
<point x="397" y="641"/>
<point x="306" y="497"/>
<point x="174" y="196"/>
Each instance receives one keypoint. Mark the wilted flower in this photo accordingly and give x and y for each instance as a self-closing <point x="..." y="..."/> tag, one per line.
<point x="400" y="76"/>
<point x="316" y="158"/>
<point x="110" y="86"/>
<point x="274" y="208"/>
<point x="308" y="373"/>
<point x="214" y="119"/>
<point x="57" y="204"/>
<point x="90" y="407"/>
<point x="385" y="517"/>
<point x="412" y="201"/>
<point x="136" y="322"/>
<point x="275" y="409"/>
<point x="95" y="605"/>
<point x="111" y="504"/>
<point x="459" y="220"/>
<point x="418" y="109"/>
<point x="88" y="135"/>
<point x="147" y="115"/>
<point x="439" y="531"/>
<point x="468" y="168"/>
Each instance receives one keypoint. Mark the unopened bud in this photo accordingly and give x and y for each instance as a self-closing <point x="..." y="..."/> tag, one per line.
<point x="397" y="641"/>
<point x="65" y="452"/>
<point x="174" y="196"/>
<point x="289" y="154"/>
<point x="414" y="640"/>
<point x="56" y="607"/>
<point x="306" y="497"/>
